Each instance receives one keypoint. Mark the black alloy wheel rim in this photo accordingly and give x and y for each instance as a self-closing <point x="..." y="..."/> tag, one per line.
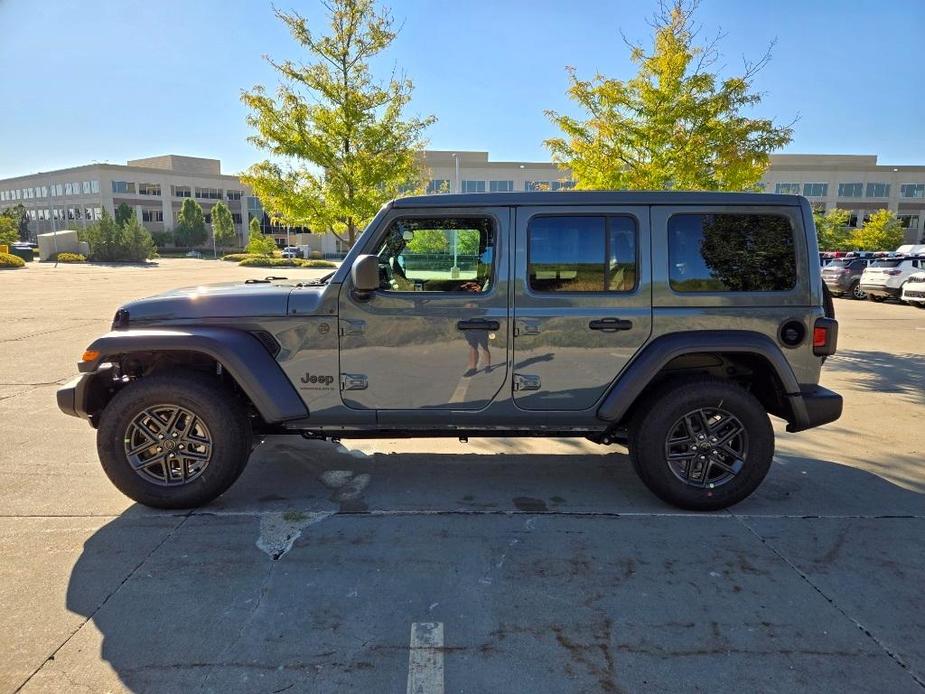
<point x="168" y="445"/>
<point x="706" y="448"/>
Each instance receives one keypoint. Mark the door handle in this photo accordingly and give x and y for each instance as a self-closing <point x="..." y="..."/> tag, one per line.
<point x="610" y="325"/>
<point x="478" y="324"/>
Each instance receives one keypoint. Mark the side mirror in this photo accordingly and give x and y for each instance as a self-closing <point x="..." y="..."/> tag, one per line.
<point x="365" y="274"/>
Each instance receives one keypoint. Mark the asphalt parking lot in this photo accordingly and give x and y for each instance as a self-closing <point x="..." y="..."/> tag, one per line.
<point x="492" y="566"/>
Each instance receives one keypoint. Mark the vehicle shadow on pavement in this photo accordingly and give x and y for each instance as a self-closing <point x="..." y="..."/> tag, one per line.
<point x="551" y="573"/>
<point x="884" y="372"/>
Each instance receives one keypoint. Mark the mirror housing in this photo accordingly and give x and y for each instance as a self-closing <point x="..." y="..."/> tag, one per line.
<point x="365" y="274"/>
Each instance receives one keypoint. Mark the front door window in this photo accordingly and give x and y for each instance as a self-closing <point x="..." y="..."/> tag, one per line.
<point x="442" y="254"/>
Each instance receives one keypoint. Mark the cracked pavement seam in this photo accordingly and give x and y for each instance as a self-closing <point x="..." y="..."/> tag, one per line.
<point x="105" y="600"/>
<point x="893" y="655"/>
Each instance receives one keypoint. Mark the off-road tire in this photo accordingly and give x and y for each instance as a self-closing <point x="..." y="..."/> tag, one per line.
<point x="220" y="410"/>
<point x="654" y="422"/>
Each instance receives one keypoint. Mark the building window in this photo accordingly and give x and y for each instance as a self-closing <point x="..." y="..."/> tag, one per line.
<point x="236" y="217"/>
<point x="908" y="221"/>
<point x="149" y="189"/>
<point x="501" y="186"/>
<point x="152" y="215"/>
<point x="208" y="193"/>
<point x="562" y="185"/>
<point x="878" y="190"/>
<point x="787" y="188"/>
<point x="254" y="208"/>
<point x="123" y="187"/>
<point x="69" y="188"/>
<point x="181" y="191"/>
<point x="731" y="253"/>
<point x="815" y="190"/>
<point x="438" y="185"/>
<point x="233" y="194"/>
<point x="95" y="188"/>
<point x="58" y="189"/>
<point x="582" y="254"/>
<point x="531" y="186"/>
<point x="473" y="186"/>
<point x="85" y="187"/>
<point x="850" y="190"/>
<point x="912" y="190"/>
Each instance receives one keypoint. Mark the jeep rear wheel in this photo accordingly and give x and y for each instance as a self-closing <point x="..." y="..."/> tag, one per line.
<point x="174" y="441"/>
<point x="701" y="444"/>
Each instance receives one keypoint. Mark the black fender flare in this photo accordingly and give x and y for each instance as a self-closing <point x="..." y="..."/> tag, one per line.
<point x="241" y="354"/>
<point x="633" y="380"/>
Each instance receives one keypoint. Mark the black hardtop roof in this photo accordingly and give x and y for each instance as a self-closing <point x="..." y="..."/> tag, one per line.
<point x="597" y="197"/>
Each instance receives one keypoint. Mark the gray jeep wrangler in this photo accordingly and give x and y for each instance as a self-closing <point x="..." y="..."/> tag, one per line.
<point x="673" y="323"/>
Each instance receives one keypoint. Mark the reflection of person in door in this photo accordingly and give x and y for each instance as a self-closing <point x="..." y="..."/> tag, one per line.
<point x="478" y="339"/>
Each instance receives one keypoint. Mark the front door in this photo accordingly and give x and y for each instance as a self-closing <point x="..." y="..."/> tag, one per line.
<point x="582" y="302"/>
<point x="435" y="334"/>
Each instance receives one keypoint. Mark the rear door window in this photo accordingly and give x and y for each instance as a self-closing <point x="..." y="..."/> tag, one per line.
<point x="731" y="252"/>
<point x="582" y="253"/>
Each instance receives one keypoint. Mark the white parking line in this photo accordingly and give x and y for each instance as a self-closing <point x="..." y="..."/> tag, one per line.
<point x="425" y="658"/>
<point x="459" y="395"/>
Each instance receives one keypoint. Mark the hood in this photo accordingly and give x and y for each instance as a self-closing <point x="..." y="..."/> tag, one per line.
<point x="225" y="300"/>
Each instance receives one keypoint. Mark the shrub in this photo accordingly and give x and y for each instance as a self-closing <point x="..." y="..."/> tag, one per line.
<point x="238" y="257"/>
<point x="162" y="238"/>
<point x="315" y="255"/>
<point x="316" y="263"/>
<point x="109" y="241"/>
<point x="8" y="260"/>
<point x="266" y="261"/>
<point x="258" y="244"/>
<point x="68" y="258"/>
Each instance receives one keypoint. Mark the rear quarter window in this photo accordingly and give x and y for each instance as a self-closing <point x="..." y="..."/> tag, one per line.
<point x="731" y="252"/>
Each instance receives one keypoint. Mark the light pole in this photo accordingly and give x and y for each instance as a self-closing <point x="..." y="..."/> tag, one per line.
<point x="458" y="183"/>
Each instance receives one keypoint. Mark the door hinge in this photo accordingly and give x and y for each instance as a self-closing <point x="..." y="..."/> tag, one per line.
<point x="353" y="382"/>
<point x="526" y="382"/>
<point x="352" y="327"/>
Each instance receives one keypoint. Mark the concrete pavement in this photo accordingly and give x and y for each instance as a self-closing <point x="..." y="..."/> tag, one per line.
<point x="547" y="563"/>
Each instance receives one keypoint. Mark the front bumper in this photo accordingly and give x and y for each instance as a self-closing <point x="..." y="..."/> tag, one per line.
<point x="85" y="395"/>
<point x="881" y="290"/>
<point x="814" y="406"/>
<point x="915" y="295"/>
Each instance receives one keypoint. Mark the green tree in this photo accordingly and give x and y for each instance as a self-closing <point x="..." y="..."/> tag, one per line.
<point x="881" y="232"/>
<point x="675" y="124"/>
<point x="123" y="214"/>
<point x="428" y="241"/>
<point x="191" y="225"/>
<point x="106" y="239"/>
<point x="258" y="242"/>
<point x="832" y="230"/>
<point x="222" y="225"/>
<point x="340" y="144"/>
<point x="20" y="218"/>
<point x="9" y="232"/>
<point x="138" y="245"/>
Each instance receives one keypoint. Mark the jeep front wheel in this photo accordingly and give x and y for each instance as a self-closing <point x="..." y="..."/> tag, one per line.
<point x="701" y="444"/>
<point x="174" y="441"/>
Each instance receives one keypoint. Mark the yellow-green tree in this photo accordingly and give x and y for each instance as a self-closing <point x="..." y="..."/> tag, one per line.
<point x="339" y="143"/>
<point x="881" y="232"/>
<point x="675" y="124"/>
<point x="258" y="242"/>
<point x="832" y="230"/>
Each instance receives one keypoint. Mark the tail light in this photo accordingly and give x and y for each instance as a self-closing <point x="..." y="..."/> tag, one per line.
<point x="893" y="273"/>
<point x="825" y="336"/>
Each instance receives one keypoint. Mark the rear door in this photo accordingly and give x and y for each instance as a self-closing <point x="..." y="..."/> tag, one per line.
<point x="582" y="301"/>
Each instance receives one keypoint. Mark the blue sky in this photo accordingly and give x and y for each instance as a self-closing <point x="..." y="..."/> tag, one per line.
<point x="87" y="80"/>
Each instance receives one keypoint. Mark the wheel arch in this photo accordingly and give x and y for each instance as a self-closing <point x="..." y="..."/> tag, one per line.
<point x="746" y="357"/>
<point x="243" y="357"/>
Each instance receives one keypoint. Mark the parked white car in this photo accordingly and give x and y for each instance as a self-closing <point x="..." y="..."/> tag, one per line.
<point x="914" y="290"/>
<point x="884" y="278"/>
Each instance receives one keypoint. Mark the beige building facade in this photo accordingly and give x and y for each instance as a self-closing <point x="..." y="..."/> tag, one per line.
<point x="154" y="188"/>
<point x="852" y="182"/>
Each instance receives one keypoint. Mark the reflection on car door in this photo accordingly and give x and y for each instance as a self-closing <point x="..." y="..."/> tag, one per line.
<point x="435" y="334"/>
